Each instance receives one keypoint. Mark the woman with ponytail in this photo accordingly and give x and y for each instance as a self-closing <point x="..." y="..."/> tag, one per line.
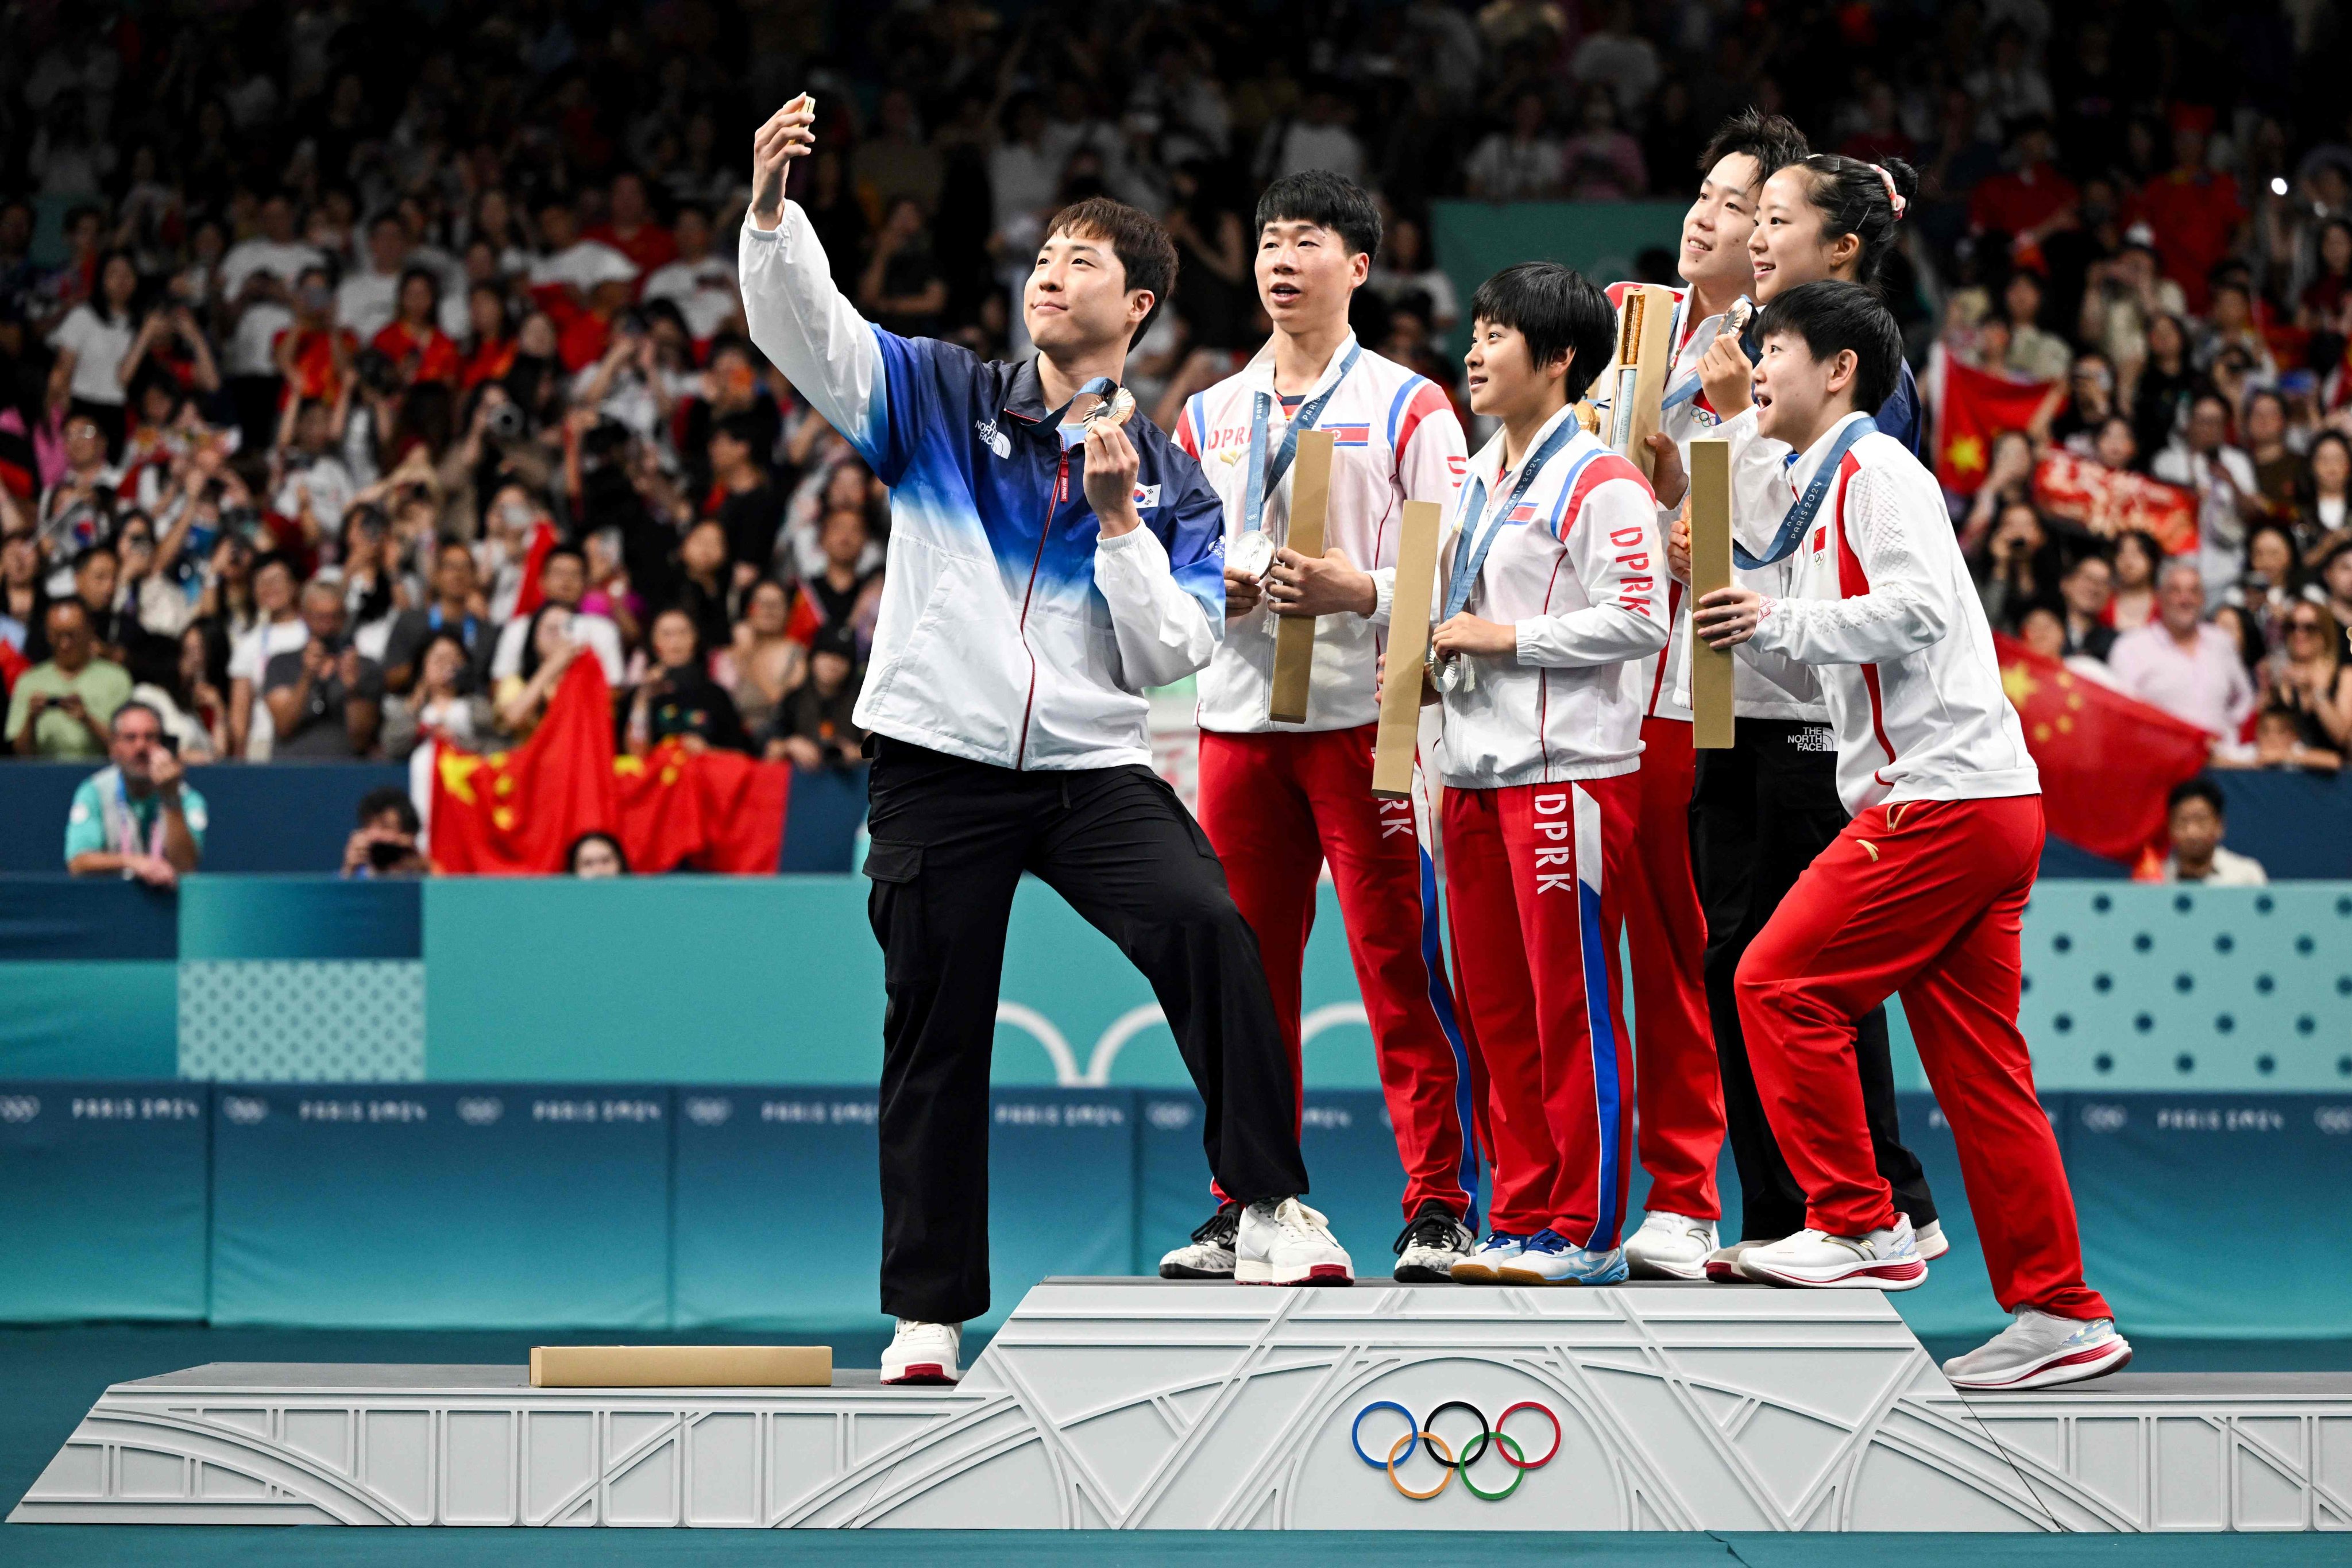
<point x="1823" y="217"/>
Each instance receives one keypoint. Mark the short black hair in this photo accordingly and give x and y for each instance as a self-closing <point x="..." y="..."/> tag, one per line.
<point x="1832" y="316"/>
<point x="1558" y="311"/>
<point x="2202" y="789"/>
<point x="1145" y="252"/>
<point x="1333" y="201"/>
<point x="1772" y="140"/>
<point x="391" y="797"/>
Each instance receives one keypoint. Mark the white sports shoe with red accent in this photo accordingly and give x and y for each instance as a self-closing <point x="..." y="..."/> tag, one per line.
<point x="1930" y="1238"/>
<point x="2038" y="1351"/>
<point x="1283" y="1242"/>
<point x="923" y="1353"/>
<point x="1883" y="1260"/>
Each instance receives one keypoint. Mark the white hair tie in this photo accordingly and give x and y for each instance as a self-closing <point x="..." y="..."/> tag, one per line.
<point x="1894" y="196"/>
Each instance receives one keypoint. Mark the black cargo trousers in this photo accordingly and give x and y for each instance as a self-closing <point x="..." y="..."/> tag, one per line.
<point x="951" y="840"/>
<point x="1760" y="814"/>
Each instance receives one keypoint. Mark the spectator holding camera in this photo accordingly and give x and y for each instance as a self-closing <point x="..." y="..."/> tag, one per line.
<point x="384" y="843"/>
<point x="442" y="703"/>
<point x="59" y="708"/>
<point x="678" y="699"/>
<point x="138" y="818"/>
<point x="457" y="609"/>
<point x="325" y="700"/>
<point x="813" y="726"/>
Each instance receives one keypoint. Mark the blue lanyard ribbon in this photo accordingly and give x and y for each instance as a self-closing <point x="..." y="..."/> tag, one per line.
<point x="1265" y="477"/>
<point x="1469" y="556"/>
<point x="1800" y="516"/>
<point x="1683" y="391"/>
<point x="1076" y="434"/>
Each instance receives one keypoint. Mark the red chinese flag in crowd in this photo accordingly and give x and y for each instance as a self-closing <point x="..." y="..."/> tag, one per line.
<point x="709" y="811"/>
<point x="2107" y="761"/>
<point x="515" y="813"/>
<point x="1977" y="406"/>
<point x="2110" y="501"/>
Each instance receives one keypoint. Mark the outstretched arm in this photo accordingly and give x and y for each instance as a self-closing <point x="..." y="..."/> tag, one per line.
<point x="798" y="318"/>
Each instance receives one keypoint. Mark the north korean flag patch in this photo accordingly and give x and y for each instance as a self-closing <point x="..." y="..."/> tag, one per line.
<point x="1351" y="435"/>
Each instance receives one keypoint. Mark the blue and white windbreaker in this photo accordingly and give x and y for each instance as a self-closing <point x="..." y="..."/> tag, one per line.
<point x="1010" y="633"/>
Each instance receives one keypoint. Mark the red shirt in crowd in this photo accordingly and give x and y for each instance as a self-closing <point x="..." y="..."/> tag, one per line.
<point x="490" y="361"/>
<point x="316" y="370"/>
<point x="426" y="356"/>
<point x="648" y="245"/>
<point x="2195" y="216"/>
<point x="2016" y="200"/>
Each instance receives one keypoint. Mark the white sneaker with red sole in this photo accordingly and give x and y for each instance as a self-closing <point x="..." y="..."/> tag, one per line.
<point x="1930" y="1238"/>
<point x="923" y="1353"/>
<point x="1283" y="1242"/>
<point x="2038" y="1351"/>
<point x="1813" y="1260"/>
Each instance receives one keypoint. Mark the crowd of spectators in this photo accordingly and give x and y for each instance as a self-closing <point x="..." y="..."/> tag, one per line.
<point x="363" y="367"/>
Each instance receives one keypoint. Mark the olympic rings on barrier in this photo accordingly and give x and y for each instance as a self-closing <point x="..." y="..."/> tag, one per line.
<point x="1547" y="1413"/>
<point x="1418" y="1433"/>
<point x="1412" y="1431"/>
<point x="1518" y="1471"/>
<point x="1445" y="1459"/>
<point x="1471" y="1452"/>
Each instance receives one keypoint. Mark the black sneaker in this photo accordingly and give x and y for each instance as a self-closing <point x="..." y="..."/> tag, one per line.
<point x="1430" y="1245"/>
<point x="1210" y="1254"/>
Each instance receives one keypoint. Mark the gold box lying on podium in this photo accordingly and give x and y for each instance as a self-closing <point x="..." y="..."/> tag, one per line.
<point x="681" y="1366"/>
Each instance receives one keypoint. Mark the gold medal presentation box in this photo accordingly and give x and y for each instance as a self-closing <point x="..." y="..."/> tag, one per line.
<point x="1134" y="1403"/>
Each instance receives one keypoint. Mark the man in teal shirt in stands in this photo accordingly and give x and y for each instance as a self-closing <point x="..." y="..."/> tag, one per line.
<point x="138" y="819"/>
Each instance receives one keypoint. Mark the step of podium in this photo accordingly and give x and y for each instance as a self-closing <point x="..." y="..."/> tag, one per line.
<point x="1142" y="1404"/>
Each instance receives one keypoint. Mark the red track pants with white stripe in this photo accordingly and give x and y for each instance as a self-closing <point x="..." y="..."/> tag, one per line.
<point x="1924" y="899"/>
<point x="1681" y="1089"/>
<point x="1277" y="806"/>
<point x="1534" y="877"/>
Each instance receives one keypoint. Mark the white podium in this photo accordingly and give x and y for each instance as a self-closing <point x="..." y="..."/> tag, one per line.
<point x="1138" y="1404"/>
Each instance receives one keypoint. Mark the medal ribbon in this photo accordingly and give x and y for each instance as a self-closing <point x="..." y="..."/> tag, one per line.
<point x="1683" y="391"/>
<point x="1074" y="435"/>
<point x="1469" y="558"/>
<point x="1263" y="477"/>
<point x="1800" y="516"/>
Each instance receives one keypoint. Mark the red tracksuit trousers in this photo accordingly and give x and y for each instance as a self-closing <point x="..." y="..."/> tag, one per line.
<point x="1680" y="1087"/>
<point x="1277" y="806"/>
<point x="1924" y="899"/>
<point x="1534" y="877"/>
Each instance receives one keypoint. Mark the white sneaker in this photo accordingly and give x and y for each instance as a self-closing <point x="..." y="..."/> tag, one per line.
<point x="2038" y="1351"/>
<point x="1723" y="1263"/>
<point x="1430" y="1247"/>
<point x="1930" y="1237"/>
<point x="1670" y="1246"/>
<point x="923" y="1352"/>
<point x="1883" y="1260"/>
<point x="1480" y="1267"/>
<point x="1210" y="1254"/>
<point x="1283" y="1242"/>
<point x="1550" y="1258"/>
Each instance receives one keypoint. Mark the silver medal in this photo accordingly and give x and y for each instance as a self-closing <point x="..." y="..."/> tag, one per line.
<point x="1250" y="553"/>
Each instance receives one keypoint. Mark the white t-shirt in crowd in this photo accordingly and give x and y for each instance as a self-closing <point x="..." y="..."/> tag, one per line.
<point x="257" y="327"/>
<point x="703" y="291"/>
<point x="98" y="347"/>
<point x="250" y="661"/>
<point x="603" y="638"/>
<point x="365" y="303"/>
<point x="583" y="265"/>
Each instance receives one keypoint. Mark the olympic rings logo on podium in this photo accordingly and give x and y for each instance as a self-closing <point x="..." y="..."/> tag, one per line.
<point x="1418" y="1434"/>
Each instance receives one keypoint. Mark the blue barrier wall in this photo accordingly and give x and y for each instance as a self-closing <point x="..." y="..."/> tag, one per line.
<point x="631" y="1207"/>
<point x="777" y="980"/>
